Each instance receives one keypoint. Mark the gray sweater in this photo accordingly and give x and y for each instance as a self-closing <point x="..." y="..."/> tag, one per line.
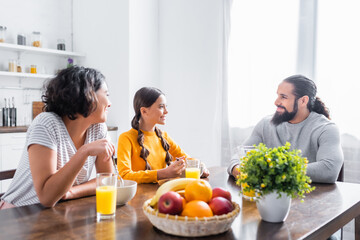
<point x="316" y="136"/>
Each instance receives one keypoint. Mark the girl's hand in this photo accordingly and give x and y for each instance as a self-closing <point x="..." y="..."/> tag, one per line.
<point x="101" y="148"/>
<point x="175" y="169"/>
<point x="180" y="158"/>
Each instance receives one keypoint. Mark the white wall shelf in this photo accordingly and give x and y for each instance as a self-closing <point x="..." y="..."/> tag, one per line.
<point x="36" y="50"/>
<point x="25" y="75"/>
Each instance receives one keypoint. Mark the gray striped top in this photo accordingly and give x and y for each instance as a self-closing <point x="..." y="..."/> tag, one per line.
<point x="48" y="130"/>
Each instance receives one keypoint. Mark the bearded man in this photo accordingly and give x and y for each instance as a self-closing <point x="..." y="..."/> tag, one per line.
<point x="302" y="119"/>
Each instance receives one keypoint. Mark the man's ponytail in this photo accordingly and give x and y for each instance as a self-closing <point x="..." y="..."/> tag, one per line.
<point x="320" y="108"/>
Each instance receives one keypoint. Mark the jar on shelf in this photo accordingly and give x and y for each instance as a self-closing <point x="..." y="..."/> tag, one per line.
<point x="36" y="39"/>
<point x="33" y="69"/>
<point x="18" y="66"/>
<point x="2" y="33"/>
<point x="21" y="39"/>
<point x="12" y="65"/>
<point x="61" y="44"/>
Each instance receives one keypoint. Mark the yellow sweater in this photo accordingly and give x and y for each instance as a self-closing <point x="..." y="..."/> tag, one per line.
<point x="132" y="167"/>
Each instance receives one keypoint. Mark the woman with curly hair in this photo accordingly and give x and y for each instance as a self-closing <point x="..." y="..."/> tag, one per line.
<point x="64" y="142"/>
<point x="145" y="153"/>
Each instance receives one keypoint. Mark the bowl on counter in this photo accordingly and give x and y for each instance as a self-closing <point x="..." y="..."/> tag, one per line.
<point x="190" y="226"/>
<point x="126" y="192"/>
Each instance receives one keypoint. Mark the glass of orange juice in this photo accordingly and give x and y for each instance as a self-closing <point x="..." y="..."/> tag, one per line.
<point x="105" y="195"/>
<point x="193" y="168"/>
<point x="242" y="151"/>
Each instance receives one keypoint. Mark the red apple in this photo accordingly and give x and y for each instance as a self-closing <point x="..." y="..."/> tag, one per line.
<point x="221" y="192"/>
<point x="170" y="203"/>
<point x="220" y="205"/>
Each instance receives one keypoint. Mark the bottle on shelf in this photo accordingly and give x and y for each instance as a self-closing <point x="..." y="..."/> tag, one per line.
<point x="12" y="113"/>
<point x="5" y="114"/>
<point x="12" y="65"/>
<point x="2" y="33"/>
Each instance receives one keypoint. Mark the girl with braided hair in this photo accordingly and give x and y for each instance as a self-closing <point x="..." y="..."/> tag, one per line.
<point x="145" y="153"/>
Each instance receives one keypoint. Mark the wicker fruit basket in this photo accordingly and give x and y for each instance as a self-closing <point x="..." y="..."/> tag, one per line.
<point x="190" y="226"/>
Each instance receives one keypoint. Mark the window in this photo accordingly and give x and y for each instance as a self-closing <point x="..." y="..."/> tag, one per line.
<point x="338" y="61"/>
<point x="262" y="52"/>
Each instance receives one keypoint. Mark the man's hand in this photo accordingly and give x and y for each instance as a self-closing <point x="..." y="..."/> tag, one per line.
<point x="236" y="171"/>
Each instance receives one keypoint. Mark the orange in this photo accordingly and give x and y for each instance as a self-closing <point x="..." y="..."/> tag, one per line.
<point x="183" y="202"/>
<point x="198" y="190"/>
<point x="197" y="208"/>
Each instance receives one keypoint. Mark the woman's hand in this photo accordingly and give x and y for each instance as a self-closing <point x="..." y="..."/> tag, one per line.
<point x="174" y="170"/>
<point x="68" y="195"/>
<point x="81" y="190"/>
<point x="101" y="148"/>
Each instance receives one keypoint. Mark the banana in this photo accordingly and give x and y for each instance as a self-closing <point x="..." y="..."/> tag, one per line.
<point x="181" y="192"/>
<point x="172" y="185"/>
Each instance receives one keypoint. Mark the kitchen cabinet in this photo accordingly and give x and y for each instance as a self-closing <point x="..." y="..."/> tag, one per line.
<point x="11" y="148"/>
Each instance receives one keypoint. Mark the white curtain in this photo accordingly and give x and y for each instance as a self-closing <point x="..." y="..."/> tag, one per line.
<point x="223" y="85"/>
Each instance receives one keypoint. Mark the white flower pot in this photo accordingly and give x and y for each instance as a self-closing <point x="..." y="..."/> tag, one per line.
<point x="273" y="209"/>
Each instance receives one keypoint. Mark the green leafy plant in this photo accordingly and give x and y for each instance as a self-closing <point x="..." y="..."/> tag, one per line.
<point x="265" y="170"/>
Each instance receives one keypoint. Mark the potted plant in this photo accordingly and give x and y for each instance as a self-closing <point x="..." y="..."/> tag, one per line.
<point x="276" y="175"/>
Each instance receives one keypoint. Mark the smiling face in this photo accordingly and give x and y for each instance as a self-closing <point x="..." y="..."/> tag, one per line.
<point x="156" y="113"/>
<point x="286" y="103"/>
<point x="103" y="103"/>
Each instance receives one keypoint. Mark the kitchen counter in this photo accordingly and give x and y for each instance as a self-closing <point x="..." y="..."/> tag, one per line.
<point x="24" y="129"/>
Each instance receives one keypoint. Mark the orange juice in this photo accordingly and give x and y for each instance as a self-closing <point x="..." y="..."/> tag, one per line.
<point x="106" y="199"/>
<point x="192" y="173"/>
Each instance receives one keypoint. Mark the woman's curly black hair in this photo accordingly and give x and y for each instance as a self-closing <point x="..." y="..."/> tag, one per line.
<point x="72" y="91"/>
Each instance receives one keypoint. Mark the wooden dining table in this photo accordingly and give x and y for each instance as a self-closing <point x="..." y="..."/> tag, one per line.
<point x="325" y="210"/>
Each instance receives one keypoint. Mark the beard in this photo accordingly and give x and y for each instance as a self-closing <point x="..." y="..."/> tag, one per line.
<point x="285" y="116"/>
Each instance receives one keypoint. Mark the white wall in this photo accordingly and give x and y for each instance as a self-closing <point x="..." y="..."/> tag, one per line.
<point x="190" y="34"/>
<point x="143" y="44"/>
<point x="143" y="48"/>
<point x="101" y="30"/>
